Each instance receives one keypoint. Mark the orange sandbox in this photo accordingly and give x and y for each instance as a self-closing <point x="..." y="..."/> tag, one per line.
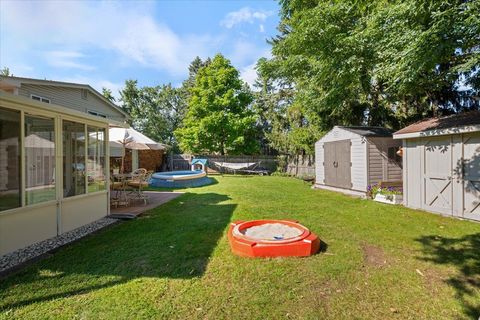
<point x="303" y="245"/>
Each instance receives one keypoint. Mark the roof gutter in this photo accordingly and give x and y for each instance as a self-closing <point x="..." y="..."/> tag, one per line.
<point x="437" y="132"/>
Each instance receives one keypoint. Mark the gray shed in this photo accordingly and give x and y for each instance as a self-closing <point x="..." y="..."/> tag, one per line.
<point x="349" y="159"/>
<point x="441" y="160"/>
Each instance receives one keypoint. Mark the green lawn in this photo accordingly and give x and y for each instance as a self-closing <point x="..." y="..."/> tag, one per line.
<point x="380" y="262"/>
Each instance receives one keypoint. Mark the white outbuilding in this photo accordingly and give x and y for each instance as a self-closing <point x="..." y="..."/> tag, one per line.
<point x="441" y="161"/>
<point x="349" y="159"/>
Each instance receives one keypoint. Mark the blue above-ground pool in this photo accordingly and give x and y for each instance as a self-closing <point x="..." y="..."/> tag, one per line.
<point x="179" y="179"/>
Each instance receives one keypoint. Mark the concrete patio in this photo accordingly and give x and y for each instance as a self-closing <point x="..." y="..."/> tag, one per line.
<point x="138" y="207"/>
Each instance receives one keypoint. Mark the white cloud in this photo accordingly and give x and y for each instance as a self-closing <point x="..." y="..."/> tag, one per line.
<point x="114" y="87"/>
<point x="67" y="59"/>
<point x="244" y="15"/>
<point x="77" y="39"/>
<point x="155" y="45"/>
<point x="249" y="74"/>
<point x="126" y="28"/>
<point x="18" y="69"/>
<point x="262" y="28"/>
<point x="245" y="52"/>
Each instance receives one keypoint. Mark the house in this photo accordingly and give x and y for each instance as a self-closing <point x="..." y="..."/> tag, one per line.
<point x="80" y="97"/>
<point x="54" y="167"/>
<point x="441" y="161"/>
<point x="349" y="159"/>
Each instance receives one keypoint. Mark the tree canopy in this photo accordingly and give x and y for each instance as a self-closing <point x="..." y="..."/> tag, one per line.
<point x="219" y="118"/>
<point x="107" y="93"/>
<point x="382" y="63"/>
<point x="341" y="62"/>
<point x="155" y="111"/>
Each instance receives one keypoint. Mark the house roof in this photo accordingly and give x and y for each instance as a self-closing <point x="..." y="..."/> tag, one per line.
<point x="7" y="100"/>
<point x="442" y="124"/>
<point x="66" y="84"/>
<point x="369" y="131"/>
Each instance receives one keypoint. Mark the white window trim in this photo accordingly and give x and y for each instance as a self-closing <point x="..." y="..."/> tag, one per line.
<point x="39" y="98"/>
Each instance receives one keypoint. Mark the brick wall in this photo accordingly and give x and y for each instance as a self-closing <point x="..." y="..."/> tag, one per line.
<point x="152" y="160"/>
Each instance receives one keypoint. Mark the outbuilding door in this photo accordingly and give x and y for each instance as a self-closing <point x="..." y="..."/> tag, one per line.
<point x="438" y="175"/>
<point x="451" y="175"/>
<point x="337" y="164"/>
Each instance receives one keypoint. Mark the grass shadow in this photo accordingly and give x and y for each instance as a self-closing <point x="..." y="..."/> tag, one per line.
<point x="464" y="254"/>
<point x="323" y="247"/>
<point x="176" y="240"/>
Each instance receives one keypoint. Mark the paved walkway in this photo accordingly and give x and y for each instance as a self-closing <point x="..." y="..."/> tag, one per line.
<point x="138" y="207"/>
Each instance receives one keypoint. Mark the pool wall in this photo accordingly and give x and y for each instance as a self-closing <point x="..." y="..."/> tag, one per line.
<point x="177" y="179"/>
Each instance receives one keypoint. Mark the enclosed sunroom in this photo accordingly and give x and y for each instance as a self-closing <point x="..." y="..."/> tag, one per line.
<point x="53" y="170"/>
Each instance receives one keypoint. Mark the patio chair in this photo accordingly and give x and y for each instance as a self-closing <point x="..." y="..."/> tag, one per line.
<point x="137" y="183"/>
<point x="120" y="196"/>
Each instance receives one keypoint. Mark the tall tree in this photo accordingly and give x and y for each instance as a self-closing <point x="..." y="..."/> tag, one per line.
<point x="273" y="98"/>
<point x="193" y="69"/>
<point x="155" y="111"/>
<point x="130" y="99"/>
<point x="107" y="93"/>
<point x="163" y="110"/>
<point x="5" y="72"/>
<point x="219" y="118"/>
<point x="379" y="62"/>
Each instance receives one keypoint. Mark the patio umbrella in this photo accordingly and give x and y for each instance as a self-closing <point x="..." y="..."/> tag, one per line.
<point x="130" y="138"/>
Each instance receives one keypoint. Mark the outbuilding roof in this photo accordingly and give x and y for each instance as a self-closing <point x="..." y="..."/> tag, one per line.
<point x="465" y="119"/>
<point x="369" y="131"/>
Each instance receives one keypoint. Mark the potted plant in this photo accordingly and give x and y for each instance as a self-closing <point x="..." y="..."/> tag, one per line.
<point x="389" y="195"/>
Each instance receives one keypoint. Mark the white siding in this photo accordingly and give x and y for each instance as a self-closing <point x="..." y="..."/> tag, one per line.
<point x="412" y="154"/>
<point x="359" y="163"/>
<point x="71" y="98"/>
<point x="442" y="174"/>
<point x="337" y="134"/>
<point x="358" y="157"/>
<point x="470" y="200"/>
<point x="319" y="170"/>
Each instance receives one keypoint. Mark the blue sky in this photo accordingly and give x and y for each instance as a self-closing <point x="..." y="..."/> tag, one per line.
<point x="105" y="43"/>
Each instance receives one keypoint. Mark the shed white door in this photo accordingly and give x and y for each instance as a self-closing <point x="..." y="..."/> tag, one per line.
<point x="437" y="179"/>
<point x="471" y="176"/>
<point x="451" y="175"/>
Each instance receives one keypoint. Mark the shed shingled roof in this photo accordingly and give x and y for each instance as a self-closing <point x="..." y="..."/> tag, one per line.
<point x="452" y="121"/>
<point x="369" y="131"/>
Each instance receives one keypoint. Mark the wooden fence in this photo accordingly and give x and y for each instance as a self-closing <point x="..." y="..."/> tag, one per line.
<point x="298" y="166"/>
<point x="301" y="166"/>
<point x="182" y="161"/>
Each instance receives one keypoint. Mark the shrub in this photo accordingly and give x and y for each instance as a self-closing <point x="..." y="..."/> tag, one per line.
<point x="388" y="192"/>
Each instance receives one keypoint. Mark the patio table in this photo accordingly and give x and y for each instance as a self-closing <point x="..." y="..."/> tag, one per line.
<point x="119" y="184"/>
